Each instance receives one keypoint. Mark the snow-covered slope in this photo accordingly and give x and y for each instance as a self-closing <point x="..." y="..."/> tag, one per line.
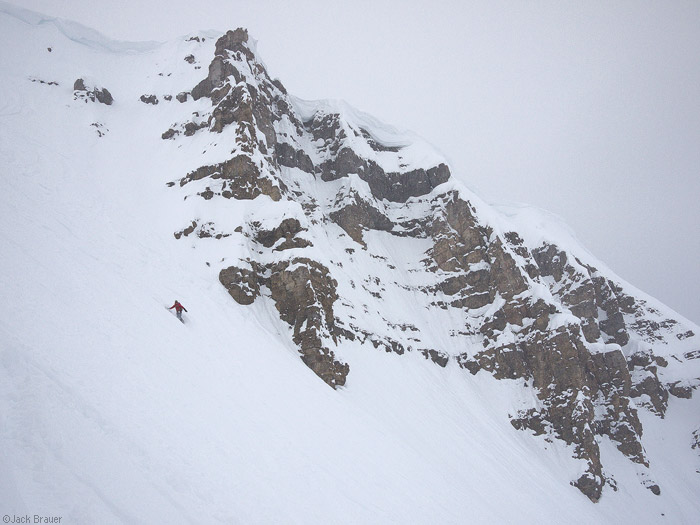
<point x="346" y="242"/>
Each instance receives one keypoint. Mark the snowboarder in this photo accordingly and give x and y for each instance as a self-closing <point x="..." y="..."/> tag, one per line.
<point x="178" y="309"/>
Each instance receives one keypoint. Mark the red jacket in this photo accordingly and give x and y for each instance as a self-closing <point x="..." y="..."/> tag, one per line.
<point x="178" y="307"/>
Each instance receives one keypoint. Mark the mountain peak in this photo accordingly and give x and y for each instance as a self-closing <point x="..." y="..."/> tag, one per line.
<point x="488" y="301"/>
<point x="232" y="40"/>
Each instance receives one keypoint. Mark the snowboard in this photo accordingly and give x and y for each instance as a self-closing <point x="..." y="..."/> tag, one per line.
<point x="181" y="319"/>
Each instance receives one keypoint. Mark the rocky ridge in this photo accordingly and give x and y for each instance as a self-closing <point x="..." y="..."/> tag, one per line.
<point x="361" y="236"/>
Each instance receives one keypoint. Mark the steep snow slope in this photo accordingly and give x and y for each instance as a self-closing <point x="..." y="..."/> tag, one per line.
<point x="113" y="412"/>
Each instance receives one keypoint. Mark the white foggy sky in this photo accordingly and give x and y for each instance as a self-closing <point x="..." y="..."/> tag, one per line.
<point x="590" y="110"/>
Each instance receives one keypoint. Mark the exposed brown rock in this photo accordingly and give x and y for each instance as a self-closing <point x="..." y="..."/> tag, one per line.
<point x="169" y="134"/>
<point x="232" y="41"/>
<point x="292" y="158"/>
<point x="357" y="215"/>
<point x="287" y="230"/>
<point x="303" y="292"/>
<point x="436" y="356"/>
<point x="186" y="231"/>
<point x="149" y="99"/>
<point x="101" y="95"/>
<point x="242" y="284"/>
<point x="680" y="390"/>
<point x="591" y="484"/>
<point x="614" y="325"/>
<point x="394" y="186"/>
<point x="652" y="387"/>
<point x="644" y="367"/>
<point x="191" y="128"/>
<point x="242" y="179"/>
<point x="219" y="70"/>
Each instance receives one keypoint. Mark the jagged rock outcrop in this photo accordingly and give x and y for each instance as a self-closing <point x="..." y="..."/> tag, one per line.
<point x="303" y="292"/>
<point x="149" y="99"/>
<point x="293" y="158"/>
<point x="436" y="356"/>
<point x="488" y="297"/>
<point x="239" y="178"/>
<point x="393" y="186"/>
<point x="356" y="215"/>
<point x="286" y="232"/>
<point x="242" y="284"/>
<point x="569" y="380"/>
<point x="647" y="389"/>
<point x="92" y="93"/>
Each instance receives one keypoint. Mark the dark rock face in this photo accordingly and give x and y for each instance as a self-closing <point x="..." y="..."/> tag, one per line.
<point x="241" y="283"/>
<point x="219" y="70"/>
<point x="356" y="215"/>
<point x="244" y="97"/>
<point x="47" y="82"/>
<point x="240" y="179"/>
<point x="287" y="230"/>
<point x="303" y="292"/>
<point x="292" y="158"/>
<point x="436" y="356"/>
<point x="654" y="489"/>
<point x="101" y="95"/>
<point x="569" y="379"/>
<point x="394" y="187"/>
<point x="614" y="325"/>
<point x="475" y="270"/>
<point x="327" y="129"/>
<point x="251" y="106"/>
<point x="399" y="187"/>
<point x="202" y="231"/>
<point x="584" y="292"/>
<point x="186" y="231"/>
<point x="644" y="366"/>
<point x="191" y="128"/>
<point x="233" y="41"/>
<point x="619" y="421"/>
<point x="679" y="390"/>
<point x="658" y="395"/>
<point x="104" y="96"/>
<point x="149" y="99"/>
<point x="345" y="162"/>
<point x="167" y="135"/>
<point x="576" y="290"/>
